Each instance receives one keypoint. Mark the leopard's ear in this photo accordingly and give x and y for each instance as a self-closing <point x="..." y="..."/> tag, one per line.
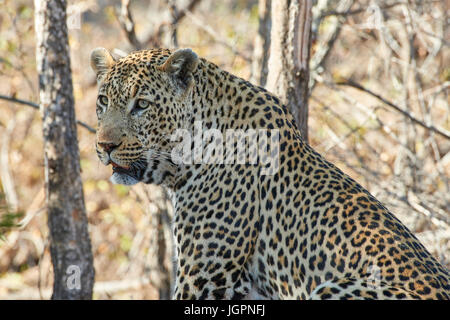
<point x="101" y="62"/>
<point x="180" y="66"/>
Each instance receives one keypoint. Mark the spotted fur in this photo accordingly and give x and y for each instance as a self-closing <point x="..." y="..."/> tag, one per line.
<point x="307" y="230"/>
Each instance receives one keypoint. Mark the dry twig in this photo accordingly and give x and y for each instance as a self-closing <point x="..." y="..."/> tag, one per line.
<point x="127" y="23"/>
<point x="355" y="85"/>
<point x="36" y="106"/>
<point x="154" y="39"/>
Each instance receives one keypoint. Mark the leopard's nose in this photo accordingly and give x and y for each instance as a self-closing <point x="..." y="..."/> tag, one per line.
<point x="108" y="147"/>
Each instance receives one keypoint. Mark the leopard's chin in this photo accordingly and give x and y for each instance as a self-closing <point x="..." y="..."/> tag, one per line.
<point x="123" y="178"/>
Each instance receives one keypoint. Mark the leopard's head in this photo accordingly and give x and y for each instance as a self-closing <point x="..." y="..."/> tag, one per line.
<point x="142" y="99"/>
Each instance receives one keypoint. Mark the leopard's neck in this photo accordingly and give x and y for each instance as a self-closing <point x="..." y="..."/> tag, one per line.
<point x="218" y="97"/>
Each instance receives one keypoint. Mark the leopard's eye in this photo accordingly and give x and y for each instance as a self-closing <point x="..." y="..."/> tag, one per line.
<point x="142" y="104"/>
<point x="102" y="100"/>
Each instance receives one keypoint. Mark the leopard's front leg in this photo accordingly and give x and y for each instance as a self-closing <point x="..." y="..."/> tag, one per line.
<point x="212" y="266"/>
<point x="215" y="240"/>
<point x="212" y="281"/>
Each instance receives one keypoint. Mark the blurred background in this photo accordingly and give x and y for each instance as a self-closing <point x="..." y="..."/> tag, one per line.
<point x="367" y="57"/>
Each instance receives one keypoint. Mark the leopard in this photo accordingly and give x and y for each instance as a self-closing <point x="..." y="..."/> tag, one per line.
<point x="272" y="222"/>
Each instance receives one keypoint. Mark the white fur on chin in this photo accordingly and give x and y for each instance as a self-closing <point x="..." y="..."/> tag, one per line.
<point x="120" y="178"/>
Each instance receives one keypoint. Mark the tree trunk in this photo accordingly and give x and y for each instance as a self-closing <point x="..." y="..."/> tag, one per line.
<point x="262" y="44"/>
<point x="70" y="245"/>
<point x="161" y="245"/>
<point x="289" y="57"/>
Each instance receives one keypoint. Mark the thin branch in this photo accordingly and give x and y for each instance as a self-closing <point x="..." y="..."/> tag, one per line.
<point x="217" y="38"/>
<point x="175" y="20"/>
<point x="259" y="66"/>
<point x="180" y="14"/>
<point x="326" y="44"/>
<point x="355" y="85"/>
<point x="7" y="180"/>
<point x="444" y="41"/>
<point x="36" y="106"/>
<point x="414" y="202"/>
<point x="173" y="24"/>
<point x="353" y="12"/>
<point x="361" y="10"/>
<point x="15" y="100"/>
<point x="127" y="23"/>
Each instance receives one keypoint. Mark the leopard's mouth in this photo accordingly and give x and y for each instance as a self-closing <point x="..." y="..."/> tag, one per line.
<point x="135" y="170"/>
<point x="119" y="168"/>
